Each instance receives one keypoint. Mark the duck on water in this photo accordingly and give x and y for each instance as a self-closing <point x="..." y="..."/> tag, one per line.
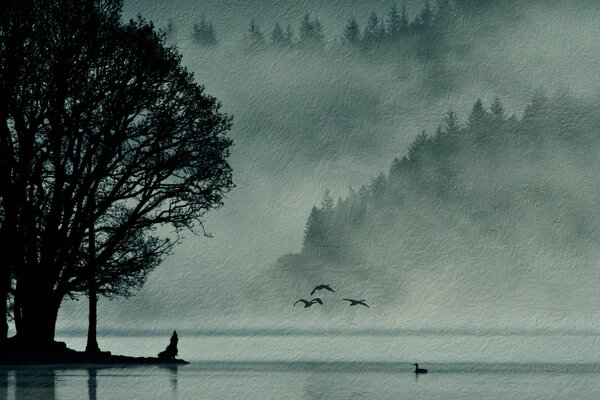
<point x="419" y="370"/>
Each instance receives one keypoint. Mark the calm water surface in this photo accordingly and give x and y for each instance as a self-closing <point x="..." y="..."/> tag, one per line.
<point x="561" y="367"/>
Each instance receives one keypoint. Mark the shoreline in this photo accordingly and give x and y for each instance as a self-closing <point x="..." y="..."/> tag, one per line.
<point x="59" y="354"/>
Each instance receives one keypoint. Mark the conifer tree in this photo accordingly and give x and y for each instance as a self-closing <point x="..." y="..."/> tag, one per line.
<point x="497" y="109"/>
<point x="451" y="123"/>
<point x="170" y="29"/>
<point x="415" y="148"/>
<point x="327" y="202"/>
<point x="394" y="23"/>
<point x="254" y="37"/>
<point x="310" y="32"/>
<point x="404" y="19"/>
<point x="204" y="33"/>
<point x="351" y="36"/>
<point x="374" y="31"/>
<point x="289" y="36"/>
<point x="277" y="36"/>
<point x="478" y="116"/>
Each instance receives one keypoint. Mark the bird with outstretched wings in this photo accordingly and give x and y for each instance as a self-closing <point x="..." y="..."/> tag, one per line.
<point x="308" y="303"/>
<point x="322" y="287"/>
<point x="357" y="302"/>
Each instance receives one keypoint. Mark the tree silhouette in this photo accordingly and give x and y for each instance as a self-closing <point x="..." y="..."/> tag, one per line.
<point x="416" y="147"/>
<point x="497" y="109"/>
<point x="310" y="32"/>
<point x="278" y="37"/>
<point x="478" y="117"/>
<point x="124" y="141"/>
<point x="170" y="29"/>
<point x="451" y="123"/>
<point x="327" y="202"/>
<point x="289" y="36"/>
<point x="351" y="36"/>
<point x="203" y="33"/>
<point x="254" y="36"/>
<point x="374" y="31"/>
<point x="395" y="23"/>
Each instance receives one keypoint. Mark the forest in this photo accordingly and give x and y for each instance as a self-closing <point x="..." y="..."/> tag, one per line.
<point x="421" y="35"/>
<point x="520" y="187"/>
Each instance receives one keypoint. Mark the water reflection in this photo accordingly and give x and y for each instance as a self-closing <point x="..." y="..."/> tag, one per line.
<point x="92" y="383"/>
<point x="3" y="384"/>
<point x="173" y="370"/>
<point x="51" y="383"/>
<point x="36" y="384"/>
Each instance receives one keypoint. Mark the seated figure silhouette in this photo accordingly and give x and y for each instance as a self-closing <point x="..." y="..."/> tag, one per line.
<point x="171" y="351"/>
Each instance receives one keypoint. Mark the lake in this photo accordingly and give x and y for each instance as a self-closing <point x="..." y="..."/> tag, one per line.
<point x="329" y="367"/>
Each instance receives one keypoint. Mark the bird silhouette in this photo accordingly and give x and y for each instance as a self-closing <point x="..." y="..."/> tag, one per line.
<point x="356" y="302"/>
<point x="309" y="303"/>
<point x="321" y="287"/>
<point x="419" y="370"/>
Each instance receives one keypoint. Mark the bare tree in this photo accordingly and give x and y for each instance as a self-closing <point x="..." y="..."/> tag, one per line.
<point x="104" y="137"/>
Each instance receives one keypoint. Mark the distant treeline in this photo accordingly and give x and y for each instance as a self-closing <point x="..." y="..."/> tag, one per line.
<point x="429" y="25"/>
<point x="482" y="175"/>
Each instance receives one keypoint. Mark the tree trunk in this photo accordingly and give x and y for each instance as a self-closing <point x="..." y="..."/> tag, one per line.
<point x="92" y="342"/>
<point x="38" y="321"/>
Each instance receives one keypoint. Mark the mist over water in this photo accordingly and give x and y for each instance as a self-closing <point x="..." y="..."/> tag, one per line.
<point x="307" y="121"/>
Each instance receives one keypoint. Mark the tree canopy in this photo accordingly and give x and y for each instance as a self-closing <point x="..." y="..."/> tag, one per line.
<point x="102" y="131"/>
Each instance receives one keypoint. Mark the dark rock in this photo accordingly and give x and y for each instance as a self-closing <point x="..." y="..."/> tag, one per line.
<point x="171" y="351"/>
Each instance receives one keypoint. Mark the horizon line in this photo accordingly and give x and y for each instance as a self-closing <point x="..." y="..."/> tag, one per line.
<point x="292" y="331"/>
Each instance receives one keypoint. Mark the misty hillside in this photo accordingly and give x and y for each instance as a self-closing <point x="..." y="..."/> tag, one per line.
<point x="494" y="212"/>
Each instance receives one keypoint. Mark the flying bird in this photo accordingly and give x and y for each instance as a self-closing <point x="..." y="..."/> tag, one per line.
<point x="321" y="287"/>
<point x="356" y="302"/>
<point x="309" y="303"/>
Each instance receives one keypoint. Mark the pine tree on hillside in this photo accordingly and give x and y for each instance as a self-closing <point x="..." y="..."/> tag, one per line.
<point x="203" y="33"/>
<point x="497" y="109"/>
<point x="254" y="36"/>
<point x="289" y="36"/>
<point x="282" y="39"/>
<point x="351" y="36"/>
<point x="478" y="116"/>
<point x="451" y="123"/>
<point x="277" y="36"/>
<point x="314" y="232"/>
<point x="394" y="23"/>
<point x="416" y="147"/>
<point x="327" y="202"/>
<point x="310" y="32"/>
<point x="374" y="31"/>
<point x="404" y="19"/>
<point x="378" y="187"/>
<point x="397" y="167"/>
<point x="306" y="30"/>
<point x="170" y="29"/>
